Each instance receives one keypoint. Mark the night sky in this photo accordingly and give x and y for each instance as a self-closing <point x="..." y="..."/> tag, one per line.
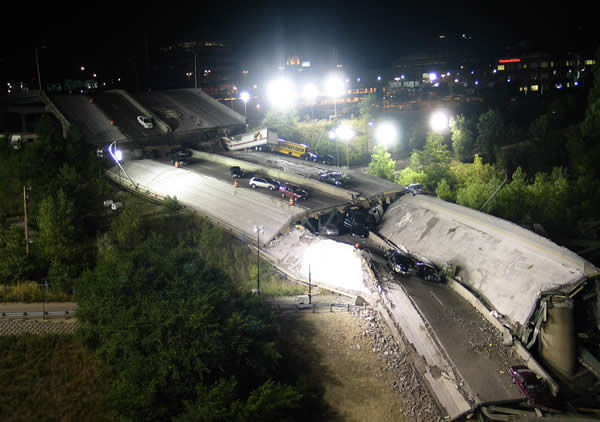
<point x="109" y="34"/>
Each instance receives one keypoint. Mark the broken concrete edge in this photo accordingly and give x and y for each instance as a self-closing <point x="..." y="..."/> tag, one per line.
<point x="446" y="394"/>
<point x="52" y="108"/>
<point x="297" y="279"/>
<point x="517" y="346"/>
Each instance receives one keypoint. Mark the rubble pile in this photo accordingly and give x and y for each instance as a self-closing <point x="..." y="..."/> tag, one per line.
<point x="397" y="367"/>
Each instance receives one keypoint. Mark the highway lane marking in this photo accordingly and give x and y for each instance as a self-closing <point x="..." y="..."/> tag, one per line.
<point x="436" y="298"/>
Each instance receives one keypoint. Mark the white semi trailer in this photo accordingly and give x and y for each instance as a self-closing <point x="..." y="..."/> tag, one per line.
<point x="258" y="139"/>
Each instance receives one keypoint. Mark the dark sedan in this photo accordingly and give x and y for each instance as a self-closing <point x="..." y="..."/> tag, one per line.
<point x="532" y="386"/>
<point x="292" y="191"/>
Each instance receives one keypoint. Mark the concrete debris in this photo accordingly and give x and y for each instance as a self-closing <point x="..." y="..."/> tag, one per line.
<point x="396" y="360"/>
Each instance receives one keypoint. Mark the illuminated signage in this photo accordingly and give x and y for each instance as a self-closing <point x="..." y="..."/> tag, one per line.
<point x="509" y="60"/>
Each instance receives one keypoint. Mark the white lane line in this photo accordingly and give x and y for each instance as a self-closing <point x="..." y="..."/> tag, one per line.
<point x="436" y="298"/>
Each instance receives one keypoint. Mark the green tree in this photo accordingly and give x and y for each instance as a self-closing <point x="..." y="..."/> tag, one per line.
<point x="172" y="206"/>
<point x="491" y="134"/>
<point x="179" y="333"/>
<point x="463" y="139"/>
<point x="15" y="264"/>
<point x="382" y="165"/>
<point x="57" y="239"/>
<point x="444" y="191"/>
<point x="368" y="106"/>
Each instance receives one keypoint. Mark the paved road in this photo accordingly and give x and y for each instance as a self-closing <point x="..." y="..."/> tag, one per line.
<point x="462" y="333"/>
<point x="239" y="209"/>
<point x="124" y="115"/>
<point x="362" y="182"/>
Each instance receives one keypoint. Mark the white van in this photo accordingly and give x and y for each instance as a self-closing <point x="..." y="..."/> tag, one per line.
<point x="302" y="301"/>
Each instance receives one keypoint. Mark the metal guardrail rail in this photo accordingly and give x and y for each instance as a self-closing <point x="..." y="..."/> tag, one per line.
<point x="36" y="314"/>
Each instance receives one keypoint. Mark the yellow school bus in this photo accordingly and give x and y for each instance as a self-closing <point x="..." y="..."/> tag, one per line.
<point x="289" y="148"/>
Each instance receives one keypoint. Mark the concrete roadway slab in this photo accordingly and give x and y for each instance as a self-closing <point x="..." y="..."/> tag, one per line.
<point x="239" y="209"/>
<point x="92" y="121"/>
<point x="188" y="110"/>
<point x="362" y="182"/>
<point x="124" y="114"/>
<point x="502" y="261"/>
<point x="464" y="336"/>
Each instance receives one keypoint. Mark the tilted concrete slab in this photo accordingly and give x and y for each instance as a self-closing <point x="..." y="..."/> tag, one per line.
<point x="190" y="109"/>
<point x="237" y="209"/>
<point x="503" y="262"/>
<point x="94" y="124"/>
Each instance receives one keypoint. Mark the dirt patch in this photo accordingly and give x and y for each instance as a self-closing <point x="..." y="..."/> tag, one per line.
<point x="364" y="373"/>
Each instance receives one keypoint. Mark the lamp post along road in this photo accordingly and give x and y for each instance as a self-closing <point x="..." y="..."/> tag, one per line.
<point x="258" y="230"/>
<point x="37" y="65"/>
<point x="25" y="189"/>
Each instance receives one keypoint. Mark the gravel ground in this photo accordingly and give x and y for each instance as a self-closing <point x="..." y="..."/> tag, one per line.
<point x="366" y="374"/>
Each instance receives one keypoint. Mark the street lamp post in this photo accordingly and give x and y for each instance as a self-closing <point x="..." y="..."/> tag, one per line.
<point x="345" y="133"/>
<point x="117" y="156"/>
<point x="26" y="222"/>
<point x="258" y="230"/>
<point x="37" y="65"/>
<point x="334" y="87"/>
<point x="245" y="97"/>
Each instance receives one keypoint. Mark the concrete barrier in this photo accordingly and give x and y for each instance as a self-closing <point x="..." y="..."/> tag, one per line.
<point x="278" y="174"/>
<point x="162" y="125"/>
<point x="51" y="107"/>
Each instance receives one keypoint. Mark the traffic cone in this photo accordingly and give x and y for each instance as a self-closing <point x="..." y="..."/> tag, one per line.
<point x="291" y="201"/>
<point x="176" y="164"/>
<point x="236" y="183"/>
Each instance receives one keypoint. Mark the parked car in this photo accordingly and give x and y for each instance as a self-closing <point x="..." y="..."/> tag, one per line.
<point x="428" y="272"/>
<point x="309" y="156"/>
<point x="263" y="182"/>
<point x="293" y="191"/>
<point x="414" y="188"/>
<point x="530" y="384"/>
<point x="236" y="172"/>
<point x="146" y="122"/>
<point x="335" y="178"/>
<point x="327" y="159"/>
<point x="399" y="262"/>
<point x="181" y="153"/>
<point x="329" y="230"/>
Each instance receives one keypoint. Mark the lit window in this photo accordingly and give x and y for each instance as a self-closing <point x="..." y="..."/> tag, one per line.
<point x="535" y="87"/>
<point x="500" y="67"/>
<point x="590" y="62"/>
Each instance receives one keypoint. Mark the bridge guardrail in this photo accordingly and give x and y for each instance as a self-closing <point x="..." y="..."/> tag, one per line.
<point x="36" y="314"/>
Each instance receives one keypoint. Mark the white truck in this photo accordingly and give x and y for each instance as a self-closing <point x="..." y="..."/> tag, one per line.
<point x="258" y="139"/>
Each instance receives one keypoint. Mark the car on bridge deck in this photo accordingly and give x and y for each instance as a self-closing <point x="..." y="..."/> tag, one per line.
<point x="263" y="182"/>
<point x="146" y="122"/>
<point x="399" y="262"/>
<point x="335" y="178"/>
<point x="292" y="191"/>
<point x="428" y="272"/>
<point x="236" y="172"/>
<point x="414" y="188"/>
<point x="530" y="384"/>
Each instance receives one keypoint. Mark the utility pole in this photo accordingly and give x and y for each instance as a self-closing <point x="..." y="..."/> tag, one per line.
<point x="25" y="189"/>
<point x="309" y="283"/>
